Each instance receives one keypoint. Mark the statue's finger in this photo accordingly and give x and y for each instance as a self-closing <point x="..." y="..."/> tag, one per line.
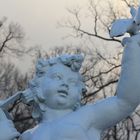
<point x="2" y="115"/>
<point x="15" y="134"/>
<point x="125" y="41"/>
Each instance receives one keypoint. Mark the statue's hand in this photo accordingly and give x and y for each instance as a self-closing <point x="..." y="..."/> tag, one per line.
<point x="27" y="96"/>
<point x="132" y="39"/>
<point x="7" y="129"/>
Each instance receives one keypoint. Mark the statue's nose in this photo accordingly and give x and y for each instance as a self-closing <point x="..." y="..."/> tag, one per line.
<point x="64" y="84"/>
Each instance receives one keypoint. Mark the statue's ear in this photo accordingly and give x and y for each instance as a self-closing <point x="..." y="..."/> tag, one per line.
<point x="36" y="113"/>
<point x="133" y="11"/>
<point x="42" y="107"/>
<point x="120" y="27"/>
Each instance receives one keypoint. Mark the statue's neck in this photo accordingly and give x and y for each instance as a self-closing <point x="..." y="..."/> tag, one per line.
<point x="53" y="114"/>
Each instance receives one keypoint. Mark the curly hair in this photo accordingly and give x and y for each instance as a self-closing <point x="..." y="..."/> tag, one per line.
<point x="74" y="62"/>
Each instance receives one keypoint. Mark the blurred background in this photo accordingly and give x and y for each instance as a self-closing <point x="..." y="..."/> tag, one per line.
<point x="31" y="29"/>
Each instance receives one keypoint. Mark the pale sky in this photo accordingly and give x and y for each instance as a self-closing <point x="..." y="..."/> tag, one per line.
<point x="39" y="18"/>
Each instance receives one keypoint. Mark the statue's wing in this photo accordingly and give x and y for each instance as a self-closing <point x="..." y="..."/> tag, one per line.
<point x="120" y="27"/>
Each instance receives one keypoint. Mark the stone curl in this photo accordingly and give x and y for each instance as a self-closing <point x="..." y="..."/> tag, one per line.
<point x="72" y="61"/>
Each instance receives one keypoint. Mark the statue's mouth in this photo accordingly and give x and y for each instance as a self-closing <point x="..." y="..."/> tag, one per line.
<point x="63" y="93"/>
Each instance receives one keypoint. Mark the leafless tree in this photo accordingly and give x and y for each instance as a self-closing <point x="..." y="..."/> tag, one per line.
<point x="11" y="35"/>
<point x="11" y="79"/>
<point x="12" y="40"/>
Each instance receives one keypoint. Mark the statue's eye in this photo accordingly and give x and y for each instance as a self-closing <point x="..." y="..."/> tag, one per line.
<point x="57" y="77"/>
<point x="40" y="73"/>
<point x="73" y="82"/>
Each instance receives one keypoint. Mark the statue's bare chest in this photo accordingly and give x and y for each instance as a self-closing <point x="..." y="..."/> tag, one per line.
<point x="62" y="131"/>
<point x="59" y="131"/>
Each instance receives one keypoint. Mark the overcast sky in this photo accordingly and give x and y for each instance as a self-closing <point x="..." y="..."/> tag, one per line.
<point x="39" y="18"/>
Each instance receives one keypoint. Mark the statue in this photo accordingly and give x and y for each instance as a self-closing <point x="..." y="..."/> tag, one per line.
<point x="56" y="91"/>
<point x="8" y="132"/>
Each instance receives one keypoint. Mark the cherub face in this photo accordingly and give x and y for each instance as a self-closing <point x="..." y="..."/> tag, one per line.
<point x="61" y="87"/>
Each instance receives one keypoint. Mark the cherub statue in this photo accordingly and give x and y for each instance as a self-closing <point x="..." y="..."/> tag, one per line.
<point x="56" y="91"/>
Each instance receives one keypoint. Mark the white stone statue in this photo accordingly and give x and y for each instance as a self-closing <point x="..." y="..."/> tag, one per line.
<point x="7" y="130"/>
<point x="57" y="90"/>
<point x="56" y="93"/>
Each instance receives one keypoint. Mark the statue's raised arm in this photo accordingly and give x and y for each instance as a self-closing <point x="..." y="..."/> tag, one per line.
<point x="108" y="112"/>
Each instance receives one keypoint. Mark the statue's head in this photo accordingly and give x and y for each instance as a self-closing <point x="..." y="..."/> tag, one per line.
<point x="58" y="83"/>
